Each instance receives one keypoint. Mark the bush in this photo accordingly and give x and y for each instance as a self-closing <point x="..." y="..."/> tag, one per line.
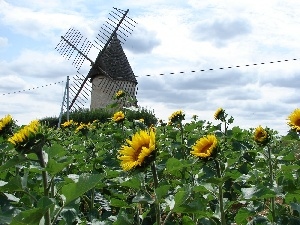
<point x="102" y="115"/>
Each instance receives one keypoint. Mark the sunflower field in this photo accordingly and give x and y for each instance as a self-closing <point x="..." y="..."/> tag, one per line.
<point x="124" y="172"/>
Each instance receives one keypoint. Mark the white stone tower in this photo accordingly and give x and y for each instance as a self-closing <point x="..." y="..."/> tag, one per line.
<point x="121" y="77"/>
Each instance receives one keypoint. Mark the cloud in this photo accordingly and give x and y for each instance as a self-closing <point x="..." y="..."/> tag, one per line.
<point x="33" y="103"/>
<point x="47" y="65"/>
<point x="37" y="24"/>
<point x="221" y="30"/>
<point x="11" y="83"/>
<point x="142" y="41"/>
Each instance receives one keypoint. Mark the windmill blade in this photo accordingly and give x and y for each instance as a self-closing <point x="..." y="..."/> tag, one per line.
<point x="116" y="21"/>
<point x="73" y="42"/>
<point x="64" y="48"/>
<point x="83" y="97"/>
<point x="85" y="48"/>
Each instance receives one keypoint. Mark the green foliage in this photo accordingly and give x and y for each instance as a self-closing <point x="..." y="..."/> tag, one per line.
<point x="243" y="183"/>
<point x="102" y="115"/>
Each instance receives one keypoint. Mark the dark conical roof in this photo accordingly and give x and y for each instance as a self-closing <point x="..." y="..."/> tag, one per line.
<point x="114" y="62"/>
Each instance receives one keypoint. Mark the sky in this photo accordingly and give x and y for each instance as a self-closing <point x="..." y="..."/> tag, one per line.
<point x="171" y="37"/>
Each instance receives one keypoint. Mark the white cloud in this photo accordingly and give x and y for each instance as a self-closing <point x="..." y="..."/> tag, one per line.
<point x="46" y="65"/>
<point x="11" y="83"/>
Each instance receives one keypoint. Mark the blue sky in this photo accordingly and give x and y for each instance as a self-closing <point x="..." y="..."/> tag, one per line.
<point x="170" y="37"/>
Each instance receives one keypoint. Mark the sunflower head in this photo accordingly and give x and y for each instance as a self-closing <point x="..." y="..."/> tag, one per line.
<point x="69" y="124"/>
<point x="83" y="128"/>
<point x="261" y="136"/>
<point x="119" y="94"/>
<point x="219" y="114"/>
<point x="294" y="120"/>
<point x="177" y="117"/>
<point x="118" y="117"/>
<point x="29" y="139"/>
<point x="139" y="151"/>
<point x="6" y="124"/>
<point x="205" y="147"/>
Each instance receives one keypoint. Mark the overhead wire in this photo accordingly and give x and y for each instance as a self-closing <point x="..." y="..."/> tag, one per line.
<point x="30" y="89"/>
<point x="170" y="73"/>
<point x="221" y="68"/>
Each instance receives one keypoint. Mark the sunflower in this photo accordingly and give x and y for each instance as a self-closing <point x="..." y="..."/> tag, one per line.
<point x="26" y="134"/>
<point x="205" y="146"/>
<point x="119" y="94"/>
<point x="138" y="150"/>
<point x="261" y="135"/>
<point x="83" y="128"/>
<point x="294" y="120"/>
<point x="118" y="117"/>
<point x="219" y="114"/>
<point x="69" y="124"/>
<point x="176" y="117"/>
<point x="5" y="124"/>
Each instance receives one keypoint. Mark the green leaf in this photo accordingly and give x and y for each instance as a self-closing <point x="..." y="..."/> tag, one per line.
<point x="44" y="203"/>
<point x="134" y="183"/>
<point x="123" y="218"/>
<point x="11" y="197"/>
<point x="295" y="206"/>
<point x="260" y="220"/>
<point x="111" y="174"/>
<point x="117" y="203"/>
<point x="234" y="174"/>
<point x="289" y="168"/>
<point x="181" y="197"/>
<point x="69" y="215"/>
<point x="143" y="199"/>
<point x="85" y="183"/>
<point x="293" y="196"/>
<point x="258" y="192"/>
<point x="242" y="216"/>
<point x="289" y="157"/>
<point x="209" y="221"/>
<point x="17" y="159"/>
<point x="54" y="167"/>
<point x="32" y="216"/>
<point x="56" y="150"/>
<point x="202" y="189"/>
<point x="215" y="180"/>
<point x="15" y="184"/>
<point x="162" y="191"/>
<point x="174" y="164"/>
<point x="186" y="220"/>
<point x="197" y="206"/>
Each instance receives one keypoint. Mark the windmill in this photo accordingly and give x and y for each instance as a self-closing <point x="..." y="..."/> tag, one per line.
<point x="110" y="71"/>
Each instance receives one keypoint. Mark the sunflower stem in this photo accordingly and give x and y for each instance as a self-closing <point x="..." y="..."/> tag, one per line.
<point x="157" y="205"/>
<point x="271" y="183"/>
<point x="220" y="187"/>
<point x="40" y="156"/>
<point x="181" y="133"/>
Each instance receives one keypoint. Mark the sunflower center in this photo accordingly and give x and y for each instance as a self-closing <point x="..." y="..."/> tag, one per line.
<point x="205" y="148"/>
<point x="261" y="135"/>
<point x="297" y="122"/>
<point x="138" y="151"/>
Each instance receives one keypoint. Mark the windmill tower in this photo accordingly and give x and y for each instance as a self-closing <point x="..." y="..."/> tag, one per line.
<point x="110" y="72"/>
<point x="115" y="63"/>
